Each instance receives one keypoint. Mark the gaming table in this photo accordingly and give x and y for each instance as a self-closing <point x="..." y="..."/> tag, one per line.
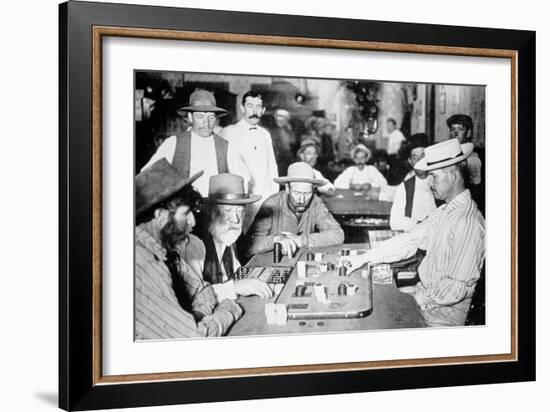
<point x="347" y="202"/>
<point x="385" y="308"/>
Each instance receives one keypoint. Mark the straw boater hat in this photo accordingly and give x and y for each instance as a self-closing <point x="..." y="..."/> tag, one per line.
<point x="308" y="142"/>
<point x="202" y="101"/>
<point x="443" y="154"/>
<point x="228" y="189"/>
<point x="361" y="147"/>
<point x="299" y="172"/>
<point x="158" y="183"/>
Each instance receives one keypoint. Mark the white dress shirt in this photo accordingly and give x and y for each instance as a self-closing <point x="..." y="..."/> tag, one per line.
<point x="203" y="157"/>
<point x="423" y="205"/>
<point x="256" y="148"/>
<point x="352" y="174"/>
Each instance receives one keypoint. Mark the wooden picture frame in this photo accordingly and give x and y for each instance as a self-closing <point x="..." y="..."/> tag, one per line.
<point x="82" y="385"/>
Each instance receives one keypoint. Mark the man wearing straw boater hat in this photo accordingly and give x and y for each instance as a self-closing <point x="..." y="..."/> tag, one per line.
<point x="226" y="204"/>
<point x="295" y="217"/>
<point x="164" y="308"/>
<point x="453" y="237"/>
<point x="201" y="148"/>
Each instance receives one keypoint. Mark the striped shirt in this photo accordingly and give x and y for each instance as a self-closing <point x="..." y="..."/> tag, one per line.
<point x="158" y="314"/>
<point x="453" y="237"/>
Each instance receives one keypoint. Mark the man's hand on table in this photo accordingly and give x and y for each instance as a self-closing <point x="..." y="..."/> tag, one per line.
<point x="355" y="262"/>
<point x="252" y="286"/>
<point x="290" y="242"/>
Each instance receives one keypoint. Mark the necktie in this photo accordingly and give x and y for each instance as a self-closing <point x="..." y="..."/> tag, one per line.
<point x="227" y="261"/>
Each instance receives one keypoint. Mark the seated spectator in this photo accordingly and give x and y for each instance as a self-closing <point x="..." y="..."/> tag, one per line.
<point x="309" y="152"/>
<point x="361" y="176"/>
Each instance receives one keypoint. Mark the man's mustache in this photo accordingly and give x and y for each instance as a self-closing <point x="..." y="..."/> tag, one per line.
<point x="253" y="116"/>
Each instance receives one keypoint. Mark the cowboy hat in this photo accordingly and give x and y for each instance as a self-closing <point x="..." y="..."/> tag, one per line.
<point x="443" y="154"/>
<point x="202" y="101"/>
<point x="299" y="172"/>
<point x="363" y="148"/>
<point x="159" y="182"/>
<point x="228" y="189"/>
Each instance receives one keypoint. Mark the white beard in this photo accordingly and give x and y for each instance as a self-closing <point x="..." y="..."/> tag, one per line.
<point x="224" y="235"/>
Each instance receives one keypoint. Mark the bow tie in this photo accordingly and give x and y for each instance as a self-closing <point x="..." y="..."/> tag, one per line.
<point x="253" y="128"/>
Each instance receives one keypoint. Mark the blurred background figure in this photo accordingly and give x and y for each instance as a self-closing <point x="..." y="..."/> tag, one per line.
<point x="395" y="137"/>
<point x="309" y="153"/>
<point x="284" y="140"/>
<point x="461" y="127"/>
<point x="361" y="176"/>
<point x="346" y="142"/>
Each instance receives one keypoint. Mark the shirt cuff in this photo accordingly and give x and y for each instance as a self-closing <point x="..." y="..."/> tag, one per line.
<point x="225" y="290"/>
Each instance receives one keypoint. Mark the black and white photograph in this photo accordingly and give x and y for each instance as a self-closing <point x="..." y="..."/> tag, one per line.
<point x="272" y="205"/>
<point x="281" y="205"/>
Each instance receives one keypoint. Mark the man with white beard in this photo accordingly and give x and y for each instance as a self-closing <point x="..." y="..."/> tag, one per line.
<point x="226" y="203"/>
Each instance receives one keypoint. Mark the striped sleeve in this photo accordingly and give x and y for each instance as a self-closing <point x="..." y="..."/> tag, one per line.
<point x="158" y="314"/>
<point x="464" y="265"/>
<point x="404" y="245"/>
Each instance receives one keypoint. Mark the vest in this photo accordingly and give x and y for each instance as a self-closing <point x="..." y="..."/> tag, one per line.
<point x="182" y="154"/>
<point x="212" y="272"/>
<point x="410" y="185"/>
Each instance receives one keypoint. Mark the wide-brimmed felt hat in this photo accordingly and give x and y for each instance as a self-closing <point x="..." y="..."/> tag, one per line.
<point x="363" y="148"/>
<point x="462" y="119"/>
<point x="158" y="183"/>
<point x="202" y="101"/>
<point x="443" y="154"/>
<point x="228" y="189"/>
<point x="308" y="142"/>
<point x="299" y="172"/>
